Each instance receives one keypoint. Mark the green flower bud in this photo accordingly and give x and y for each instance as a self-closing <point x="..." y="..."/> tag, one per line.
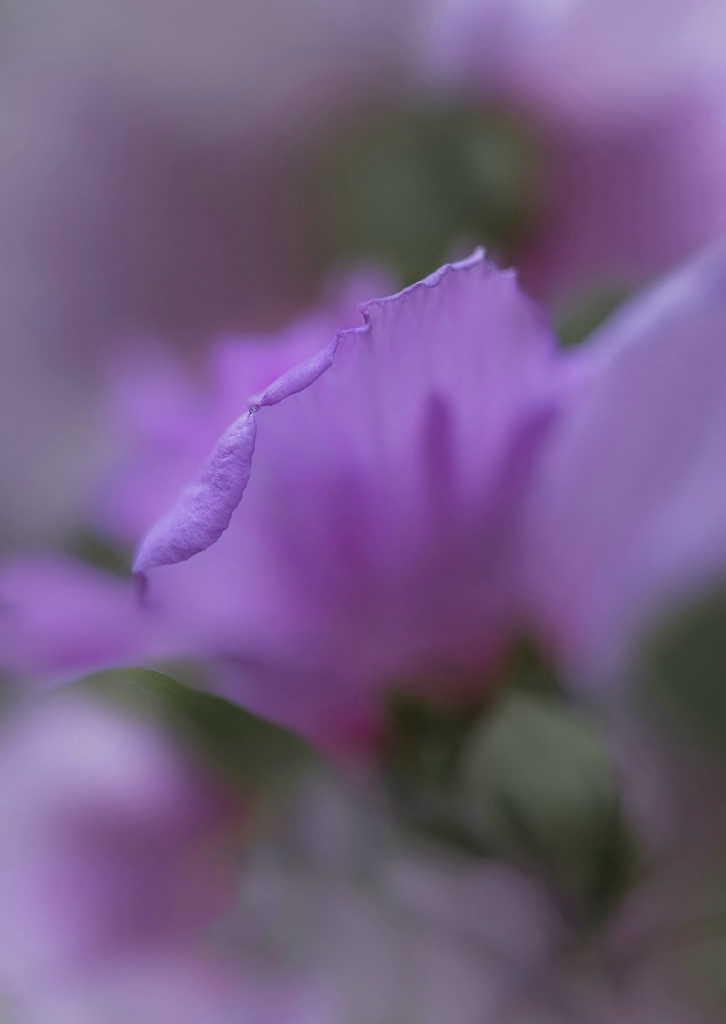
<point x="540" y="783"/>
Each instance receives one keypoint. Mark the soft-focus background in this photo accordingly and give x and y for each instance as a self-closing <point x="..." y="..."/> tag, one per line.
<point x="177" y="177"/>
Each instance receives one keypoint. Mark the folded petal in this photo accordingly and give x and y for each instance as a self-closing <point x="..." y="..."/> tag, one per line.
<point x="204" y="510"/>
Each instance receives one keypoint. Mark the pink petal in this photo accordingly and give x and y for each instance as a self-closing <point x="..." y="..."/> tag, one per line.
<point x="376" y="540"/>
<point x="629" y="510"/>
<point x="204" y="510"/>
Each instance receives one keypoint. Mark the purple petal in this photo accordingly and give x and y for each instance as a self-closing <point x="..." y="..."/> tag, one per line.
<point x="375" y="540"/>
<point x="204" y="510"/>
<point x="202" y="513"/>
<point x="629" y="514"/>
<point x="60" y="619"/>
<point x="298" y="378"/>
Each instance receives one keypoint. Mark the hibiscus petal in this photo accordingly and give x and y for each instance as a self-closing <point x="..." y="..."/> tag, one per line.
<point x="204" y="510"/>
<point x="629" y="512"/>
<point x="377" y="535"/>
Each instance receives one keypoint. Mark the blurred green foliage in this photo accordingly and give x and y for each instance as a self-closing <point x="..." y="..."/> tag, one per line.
<point x="422" y="765"/>
<point x="703" y="939"/>
<point x="99" y="551"/>
<point x="590" y="310"/>
<point x="684" y="669"/>
<point x="412" y="185"/>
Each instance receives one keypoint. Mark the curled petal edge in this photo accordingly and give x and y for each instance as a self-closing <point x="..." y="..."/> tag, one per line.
<point x="204" y="510"/>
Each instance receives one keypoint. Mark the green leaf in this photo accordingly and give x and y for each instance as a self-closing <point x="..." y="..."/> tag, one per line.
<point x="100" y="552"/>
<point x="245" y="748"/>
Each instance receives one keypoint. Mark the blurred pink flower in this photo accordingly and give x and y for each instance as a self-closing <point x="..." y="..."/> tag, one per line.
<point x="118" y="852"/>
<point x="628" y="101"/>
<point x="113" y="845"/>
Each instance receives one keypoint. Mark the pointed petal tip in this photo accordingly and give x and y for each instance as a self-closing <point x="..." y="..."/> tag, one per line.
<point x="203" y="511"/>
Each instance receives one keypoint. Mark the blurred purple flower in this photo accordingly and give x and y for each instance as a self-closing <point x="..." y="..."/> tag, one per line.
<point x="113" y="845"/>
<point x="442" y="478"/>
<point x="118" y="852"/>
<point x="628" y="101"/>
